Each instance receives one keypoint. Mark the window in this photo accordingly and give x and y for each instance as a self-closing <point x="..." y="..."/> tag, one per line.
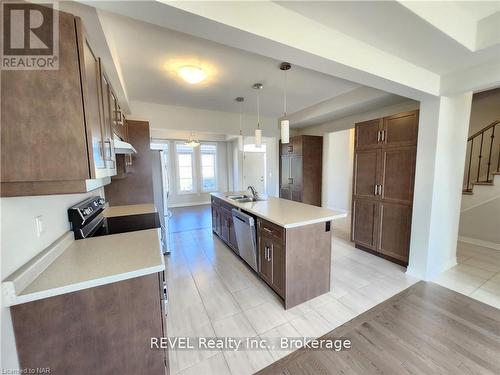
<point x="184" y="168"/>
<point x="208" y="158"/>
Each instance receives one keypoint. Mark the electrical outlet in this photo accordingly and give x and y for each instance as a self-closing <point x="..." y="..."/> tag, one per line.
<point x="39" y="225"/>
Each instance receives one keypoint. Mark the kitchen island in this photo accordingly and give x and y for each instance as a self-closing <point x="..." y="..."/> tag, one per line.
<point x="293" y="243"/>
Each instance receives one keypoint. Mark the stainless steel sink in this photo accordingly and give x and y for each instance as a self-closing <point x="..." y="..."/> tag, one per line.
<point x="236" y="197"/>
<point x="244" y="200"/>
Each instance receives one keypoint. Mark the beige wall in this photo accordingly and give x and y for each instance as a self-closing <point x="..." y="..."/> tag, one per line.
<point x="485" y="109"/>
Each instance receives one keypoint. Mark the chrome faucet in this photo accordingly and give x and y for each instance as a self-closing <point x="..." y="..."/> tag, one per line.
<point x="254" y="192"/>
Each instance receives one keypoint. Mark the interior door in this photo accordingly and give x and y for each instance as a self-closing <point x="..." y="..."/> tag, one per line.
<point x="394" y="228"/>
<point x="400" y="129"/>
<point x="366" y="173"/>
<point x="254" y="169"/>
<point x="368" y="134"/>
<point x="91" y="83"/>
<point x="398" y="174"/>
<point x="364" y="222"/>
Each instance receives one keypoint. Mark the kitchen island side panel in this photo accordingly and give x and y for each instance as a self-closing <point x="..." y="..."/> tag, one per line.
<point x="308" y="262"/>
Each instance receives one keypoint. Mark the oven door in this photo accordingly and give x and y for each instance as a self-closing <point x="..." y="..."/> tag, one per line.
<point x="98" y="226"/>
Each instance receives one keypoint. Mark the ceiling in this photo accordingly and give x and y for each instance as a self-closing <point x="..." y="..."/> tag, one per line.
<point x="149" y="54"/>
<point x="393" y="28"/>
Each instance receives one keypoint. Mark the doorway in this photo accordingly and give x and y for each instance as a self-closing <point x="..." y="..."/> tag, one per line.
<point x="254" y="167"/>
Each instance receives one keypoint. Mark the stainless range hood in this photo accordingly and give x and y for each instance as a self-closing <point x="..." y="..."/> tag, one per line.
<point x="122" y="147"/>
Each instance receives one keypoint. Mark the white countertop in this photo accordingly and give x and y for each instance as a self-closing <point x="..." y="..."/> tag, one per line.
<point x="87" y="263"/>
<point x="131" y="209"/>
<point x="283" y="212"/>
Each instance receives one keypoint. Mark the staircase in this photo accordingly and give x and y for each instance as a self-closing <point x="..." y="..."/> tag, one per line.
<point x="483" y="158"/>
<point x="480" y="209"/>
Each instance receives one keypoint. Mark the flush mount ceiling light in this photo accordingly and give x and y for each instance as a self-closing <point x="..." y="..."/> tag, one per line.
<point x="191" y="142"/>
<point x="191" y="74"/>
<point x="258" y="131"/>
<point x="240" y="100"/>
<point x="285" y="124"/>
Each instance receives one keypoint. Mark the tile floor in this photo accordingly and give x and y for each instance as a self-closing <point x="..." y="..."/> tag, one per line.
<point x="476" y="275"/>
<point x="213" y="293"/>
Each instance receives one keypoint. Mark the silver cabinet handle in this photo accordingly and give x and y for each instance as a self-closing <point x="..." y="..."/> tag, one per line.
<point x="267" y="230"/>
<point x="378" y="136"/>
<point x="290" y="180"/>
<point x="379" y="189"/>
<point x="375" y="190"/>
<point x="382" y="136"/>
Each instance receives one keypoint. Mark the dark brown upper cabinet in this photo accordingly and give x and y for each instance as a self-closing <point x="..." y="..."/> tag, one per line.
<point x="92" y="103"/>
<point x="109" y="150"/>
<point x="301" y="169"/>
<point x="383" y="181"/>
<point x="55" y="134"/>
<point x="368" y="134"/>
<point x="400" y="130"/>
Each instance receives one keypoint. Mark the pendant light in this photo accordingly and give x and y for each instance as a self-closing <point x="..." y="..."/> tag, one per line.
<point x="285" y="124"/>
<point x="191" y="142"/>
<point x="258" y="131"/>
<point x="240" y="100"/>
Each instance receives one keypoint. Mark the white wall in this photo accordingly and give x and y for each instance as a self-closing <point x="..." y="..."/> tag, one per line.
<point x="19" y="243"/>
<point x="442" y="138"/>
<point x="162" y="117"/>
<point x="482" y="223"/>
<point x="338" y="152"/>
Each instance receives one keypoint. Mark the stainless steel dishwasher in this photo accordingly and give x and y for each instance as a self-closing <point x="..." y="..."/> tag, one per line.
<point x="244" y="226"/>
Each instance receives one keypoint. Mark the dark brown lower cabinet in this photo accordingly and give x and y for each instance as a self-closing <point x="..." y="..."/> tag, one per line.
<point x="222" y="223"/>
<point x="364" y="229"/>
<point x="394" y="228"/>
<point x="103" y="330"/>
<point x="272" y="263"/>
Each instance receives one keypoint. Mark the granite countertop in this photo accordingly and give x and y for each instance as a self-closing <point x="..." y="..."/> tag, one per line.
<point x="283" y="212"/>
<point x="82" y="264"/>
<point x="132" y="209"/>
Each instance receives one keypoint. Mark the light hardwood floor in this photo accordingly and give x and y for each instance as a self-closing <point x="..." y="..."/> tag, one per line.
<point x="213" y="293"/>
<point x="427" y="329"/>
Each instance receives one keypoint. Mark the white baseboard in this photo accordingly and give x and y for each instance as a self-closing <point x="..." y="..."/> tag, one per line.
<point x="475" y="241"/>
<point x="188" y="204"/>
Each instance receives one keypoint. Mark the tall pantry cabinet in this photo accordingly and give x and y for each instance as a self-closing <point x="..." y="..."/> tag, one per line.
<point x="301" y="168"/>
<point x="384" y="170"/>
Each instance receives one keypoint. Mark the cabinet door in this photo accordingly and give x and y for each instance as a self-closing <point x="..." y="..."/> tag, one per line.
<point x="398" y="173"/>
<point x="278" y="263"/>
<point x="393" y="239"/>
<point x="366" y="173"/>
<point x="91" y="83"/>
<point x="400" y="130"/>
<point x="296" y="171"/>
<point x="364" y="222"/>
<point x="42" y="130"/>
<point x="296" y="195"/>
<point x="214" y="218"/>
<point x="285" y="193"/>
<point x="367" y="134"/>
<point x="109" y="149"/>
<point x="225" y="214"/>
<point x="285" y="170"/>
<point x="265" y="260"/>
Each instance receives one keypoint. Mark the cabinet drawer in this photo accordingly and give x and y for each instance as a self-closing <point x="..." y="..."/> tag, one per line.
<point x="215" y="201"/>
<point x="270" y="229"/>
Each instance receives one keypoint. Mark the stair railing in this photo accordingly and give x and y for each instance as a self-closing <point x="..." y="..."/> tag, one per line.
<point x="478" y="142"/>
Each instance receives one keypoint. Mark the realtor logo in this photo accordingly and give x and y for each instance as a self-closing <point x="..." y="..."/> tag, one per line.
<point x="30" y="36"/>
